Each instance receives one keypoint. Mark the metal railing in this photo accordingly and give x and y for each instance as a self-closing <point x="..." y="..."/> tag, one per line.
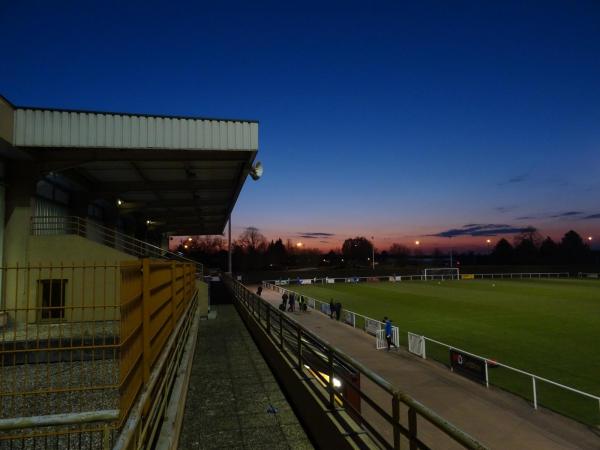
<point x="58" y="225"/>
<point x="373" y="402"/>
<point x="80" y="345"/>
<point x="582" y="406"/>
<point x="418" y="277"/>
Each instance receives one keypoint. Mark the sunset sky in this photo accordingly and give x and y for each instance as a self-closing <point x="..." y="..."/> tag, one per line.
<point x="446" y="122"/>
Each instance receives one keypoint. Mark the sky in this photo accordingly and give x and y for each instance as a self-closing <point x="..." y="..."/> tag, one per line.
<point x="443" y="122"/>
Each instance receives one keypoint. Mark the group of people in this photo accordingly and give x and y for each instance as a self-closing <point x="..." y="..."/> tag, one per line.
<point x="288" y="302"/>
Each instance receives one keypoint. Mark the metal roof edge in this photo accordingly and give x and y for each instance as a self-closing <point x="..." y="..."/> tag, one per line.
<point x="113" y="113"/>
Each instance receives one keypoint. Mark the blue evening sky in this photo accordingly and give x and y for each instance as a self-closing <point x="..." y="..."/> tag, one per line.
<point x="391" y="119"/>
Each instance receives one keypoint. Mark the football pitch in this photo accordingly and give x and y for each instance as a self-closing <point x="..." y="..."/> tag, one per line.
<point x="548" y="327"/>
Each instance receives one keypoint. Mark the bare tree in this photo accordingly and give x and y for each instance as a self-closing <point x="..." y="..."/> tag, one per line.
<point x="252" y="240"/>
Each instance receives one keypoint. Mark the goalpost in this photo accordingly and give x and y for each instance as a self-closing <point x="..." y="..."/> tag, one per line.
<point x="442" y="273"/>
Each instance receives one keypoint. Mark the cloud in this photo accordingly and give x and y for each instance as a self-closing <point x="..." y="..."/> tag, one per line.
<point x="490" y="229"/>
<point x="315" y="235"/>
<point x="526" y="218"/>
<point x="591" y="216"/>
<point x="566" y="214"/>
<point x="503" y="209"/>
<point x="516" y="179"/>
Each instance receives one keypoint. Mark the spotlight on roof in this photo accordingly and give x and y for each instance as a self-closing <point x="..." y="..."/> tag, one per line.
<point x="119" y="202"/>
<point x="256" y="171"/>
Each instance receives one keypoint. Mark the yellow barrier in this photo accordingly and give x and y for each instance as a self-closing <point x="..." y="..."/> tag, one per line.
<point x="83" y="338"/>
<point x="467" y="276"/>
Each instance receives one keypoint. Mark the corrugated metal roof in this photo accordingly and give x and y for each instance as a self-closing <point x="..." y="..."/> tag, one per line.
<point x="56" y="128"/>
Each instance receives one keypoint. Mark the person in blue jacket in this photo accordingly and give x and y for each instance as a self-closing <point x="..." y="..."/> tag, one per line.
<point x="388" y="333"/>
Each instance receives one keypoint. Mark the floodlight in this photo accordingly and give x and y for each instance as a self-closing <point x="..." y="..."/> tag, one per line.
<point x="256" y="171"/>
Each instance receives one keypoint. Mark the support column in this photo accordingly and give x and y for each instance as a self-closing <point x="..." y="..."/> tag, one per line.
<point x="21" y="179"/>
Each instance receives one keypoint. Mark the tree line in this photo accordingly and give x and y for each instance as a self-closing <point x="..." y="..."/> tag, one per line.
<point x="252" y="251"/>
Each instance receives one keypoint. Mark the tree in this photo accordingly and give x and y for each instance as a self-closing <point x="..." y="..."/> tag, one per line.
<point x="572" y="248"/>
<point x="276" y="254"/>
<point x="357" y="249"/>
<point x="503" y="252"/>
<point x="526" y="251"/>
<point x="549" y="251"/>
<point x="399" y="252"/>
<point x="252" y="240"/>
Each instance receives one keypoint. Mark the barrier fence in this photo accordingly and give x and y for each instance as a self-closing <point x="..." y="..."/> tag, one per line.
<point x="87" y="228"/>
<point x="419" y="277"/>
<point x="540" y="391"/>
<point x="78" y="344"/>
<point x="372" y="401"/>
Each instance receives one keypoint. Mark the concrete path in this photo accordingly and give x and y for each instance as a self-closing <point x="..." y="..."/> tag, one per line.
<point x="233" y="400"/>
<point x="496" y="418"/>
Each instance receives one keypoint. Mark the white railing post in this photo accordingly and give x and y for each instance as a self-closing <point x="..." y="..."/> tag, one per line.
<point x="487" y="379"/>
<point x="535" y="405"/>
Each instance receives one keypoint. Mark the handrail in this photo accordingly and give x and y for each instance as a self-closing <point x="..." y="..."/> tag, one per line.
<point x="255" y="305"/>
<point x="487" y="361"/>
<point x="16" y="423"/>
<point x="49" y="225"/>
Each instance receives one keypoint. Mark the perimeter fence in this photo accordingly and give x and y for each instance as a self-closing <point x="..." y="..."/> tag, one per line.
<point x="538" y="391"/>
<point x="79" y="344"/>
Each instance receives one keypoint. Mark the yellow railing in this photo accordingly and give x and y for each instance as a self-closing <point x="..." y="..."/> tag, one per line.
<point x="78" y="343"/>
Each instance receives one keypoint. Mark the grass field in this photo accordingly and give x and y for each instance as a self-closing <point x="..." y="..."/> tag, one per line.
<point x="547" y="327"/>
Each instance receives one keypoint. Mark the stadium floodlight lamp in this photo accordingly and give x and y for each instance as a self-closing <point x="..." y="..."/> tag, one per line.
<point x="256" y="171"/>
<point x="417" y="242"/>
<point x="119" y="202"/>
<point x="488" y="241"/>
<point x="299" y="244"/>
<point x="589" y="238"/>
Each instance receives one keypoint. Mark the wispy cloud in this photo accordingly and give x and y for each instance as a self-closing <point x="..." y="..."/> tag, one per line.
<point x="566" y="214"/>
<point x="504" y="209"/>
<point x="315" y="235"/>
<point x="591" y="216"/>
<point x="526" y="218"/>
<point x="520" y="178"/>
<point x="489" y="229"/>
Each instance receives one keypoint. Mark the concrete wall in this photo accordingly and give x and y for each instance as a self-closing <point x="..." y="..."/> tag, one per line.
<point x="68" y="249"/>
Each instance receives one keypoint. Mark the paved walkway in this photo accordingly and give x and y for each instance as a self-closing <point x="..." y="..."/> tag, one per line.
<point x="233" y="396"/>
<point x="496" y="418"/>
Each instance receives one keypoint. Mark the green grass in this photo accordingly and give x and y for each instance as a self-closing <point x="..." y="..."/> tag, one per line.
<point x="547" y="327"/>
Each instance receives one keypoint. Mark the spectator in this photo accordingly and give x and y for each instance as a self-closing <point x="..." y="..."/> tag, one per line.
<point x="292" y="301"/>
<point x="388" y="333"/>
<point x="331" y="308"/>
<point x="284" y="299"/>
<point x="259" y="291"/>
<point x="338" y="310"/>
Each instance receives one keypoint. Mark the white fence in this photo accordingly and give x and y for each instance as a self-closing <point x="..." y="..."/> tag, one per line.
<point x="396" y="278"/>
<point x="417" y="344"/>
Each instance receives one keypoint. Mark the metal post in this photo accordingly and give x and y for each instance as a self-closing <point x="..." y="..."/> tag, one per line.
<point x="229" y="264"/>
<point x="396" y="422"/>
<point x="300" y="349"/>
<point x="412" y="428"/>
<point x="373" y="251"/>
<point x="487" y="380"/>
<point x="330" y="385"/>
<point x="281" y="331"/>
<point x="535" y="405"/>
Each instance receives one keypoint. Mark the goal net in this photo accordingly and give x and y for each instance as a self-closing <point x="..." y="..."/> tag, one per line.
<point x="442" y="273"/>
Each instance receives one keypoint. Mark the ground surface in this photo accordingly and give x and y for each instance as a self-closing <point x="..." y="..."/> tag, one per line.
<point x="234" y="401"/>
<point x="498" y="419"/>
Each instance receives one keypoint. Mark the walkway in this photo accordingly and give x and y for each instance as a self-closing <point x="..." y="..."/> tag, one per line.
<point x="233" y="400"/>
<point x="498" y="419"/>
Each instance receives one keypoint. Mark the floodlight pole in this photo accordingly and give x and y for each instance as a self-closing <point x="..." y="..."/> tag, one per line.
<point x="373" y="251"/>
<point x="229" y="248"/>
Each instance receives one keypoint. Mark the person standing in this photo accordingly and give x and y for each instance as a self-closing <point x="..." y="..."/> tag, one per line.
<point x="284" y="299"/>
<point x="331" y="308"/>
<point x="292" y="301"/>
<point x="259" y="291"/>
<point x="338" y="310"/>
<point x="388" y="333"/>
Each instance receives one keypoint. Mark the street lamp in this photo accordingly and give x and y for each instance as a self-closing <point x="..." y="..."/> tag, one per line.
<point x="417" y="242"/>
